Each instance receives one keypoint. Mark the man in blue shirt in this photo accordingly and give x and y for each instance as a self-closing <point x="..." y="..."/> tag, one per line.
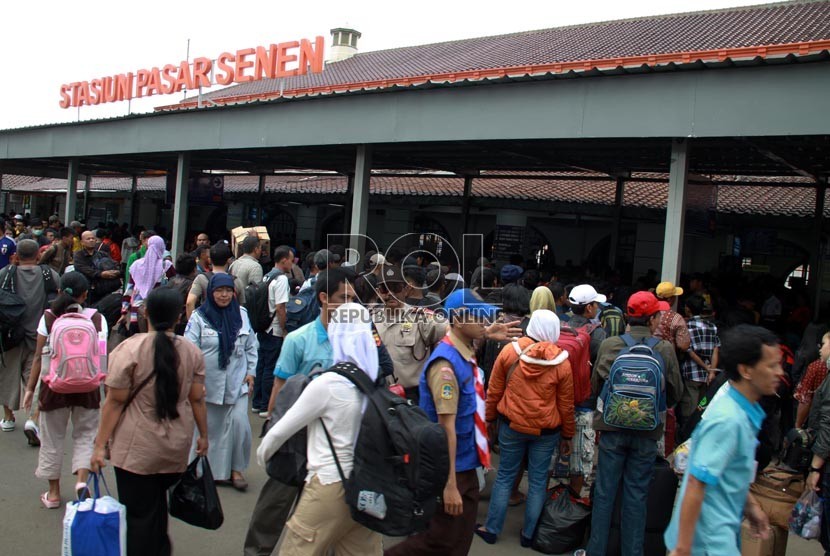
<point x="7" y="247"/>
<point x="715" y="492"/>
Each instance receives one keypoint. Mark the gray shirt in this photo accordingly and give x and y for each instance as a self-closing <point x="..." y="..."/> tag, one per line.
<point x="224" y="386"/>
<point x="247" y="269"/>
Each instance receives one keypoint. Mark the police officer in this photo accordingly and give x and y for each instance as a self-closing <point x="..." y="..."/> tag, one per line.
<point x="409" y="333"/>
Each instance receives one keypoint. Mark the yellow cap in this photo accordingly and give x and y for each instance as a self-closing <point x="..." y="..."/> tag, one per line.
<point x="666" y="290"/>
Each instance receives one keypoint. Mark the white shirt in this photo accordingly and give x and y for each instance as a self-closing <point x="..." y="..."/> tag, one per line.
<point x="277" y="295"/>
<point x="338" y="403"/>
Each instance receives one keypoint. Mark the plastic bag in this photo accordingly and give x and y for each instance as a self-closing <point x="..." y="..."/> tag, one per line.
<point x="563" y="523"/>
<point x="194" y="499"/>
<point x="805" y="520"/>
<point x="95" y="526"/>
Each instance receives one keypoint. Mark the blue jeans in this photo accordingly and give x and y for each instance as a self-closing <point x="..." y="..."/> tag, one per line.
<point x="269" y="351"/>
<point x="629" y="459"/>
<point x="512" y="448"/>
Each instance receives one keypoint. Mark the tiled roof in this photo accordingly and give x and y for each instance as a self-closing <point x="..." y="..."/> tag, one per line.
<point x="771" y="30"/>
<point x="729" y="199"/>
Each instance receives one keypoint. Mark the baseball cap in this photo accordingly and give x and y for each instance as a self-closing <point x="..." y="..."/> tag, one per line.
<point x="377" y="259"/>
<point x="483" y="261"/>
<point x="323" y="257"/>
<point x="584" y="294"/>
<point x="465" y="301"/>
<point x="454" y="277"/>
<point x="392" y="274"/>
<point x="645" y="304"/>
<point x="74" y="224"/>
<point x="511" y="273"/>
<point x="666" y="290"/>
<point x="18" y="217"/>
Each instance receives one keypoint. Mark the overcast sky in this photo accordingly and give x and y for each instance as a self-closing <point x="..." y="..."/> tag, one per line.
<point x="46" y="44"/>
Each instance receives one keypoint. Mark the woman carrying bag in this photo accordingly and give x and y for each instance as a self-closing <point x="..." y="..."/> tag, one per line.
<point x="330" y="406"/>
<point x="146" y="274"/>
<point x="57" y="409"/>
<point x="156" y="392"/>
<point x="221" y="330"/>
<point x="530" y="400"/>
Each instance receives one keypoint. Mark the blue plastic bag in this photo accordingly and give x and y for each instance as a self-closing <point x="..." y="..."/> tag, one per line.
<point x="95" y="526"/>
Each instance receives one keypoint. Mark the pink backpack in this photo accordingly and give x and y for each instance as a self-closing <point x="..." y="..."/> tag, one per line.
<point x="75" y="365"/>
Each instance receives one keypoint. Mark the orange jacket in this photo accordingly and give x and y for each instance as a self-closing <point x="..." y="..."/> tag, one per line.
<point x="540" y="395"/>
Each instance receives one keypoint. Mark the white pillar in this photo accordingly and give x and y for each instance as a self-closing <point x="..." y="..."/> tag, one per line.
<point x="180" y="205"/>
<point x="360" y="198"/>
<point x="71" y="192"/>
<point x="675" y="211"/>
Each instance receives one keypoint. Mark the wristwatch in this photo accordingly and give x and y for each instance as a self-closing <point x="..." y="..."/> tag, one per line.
<point x="815" y="470"/>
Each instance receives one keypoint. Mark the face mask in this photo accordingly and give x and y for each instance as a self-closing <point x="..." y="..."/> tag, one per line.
<point x="37" y="233"/>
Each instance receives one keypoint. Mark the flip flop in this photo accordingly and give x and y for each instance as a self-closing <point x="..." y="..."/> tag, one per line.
<point x="49" y="504"/>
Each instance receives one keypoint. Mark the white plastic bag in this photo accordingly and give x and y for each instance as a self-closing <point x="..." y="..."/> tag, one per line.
<point x="805" y="520"/>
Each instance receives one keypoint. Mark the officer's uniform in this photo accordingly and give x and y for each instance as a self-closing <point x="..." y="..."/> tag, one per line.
<point x="409" y="335"/>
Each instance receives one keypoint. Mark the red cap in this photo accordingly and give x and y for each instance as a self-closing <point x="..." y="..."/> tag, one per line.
<point x="644" y="304"/>
<point x="663" y="305"/>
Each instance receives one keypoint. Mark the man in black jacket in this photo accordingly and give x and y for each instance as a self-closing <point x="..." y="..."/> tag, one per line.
<point x="94" y="262"/>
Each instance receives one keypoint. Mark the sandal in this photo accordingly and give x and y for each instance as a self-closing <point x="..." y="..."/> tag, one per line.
<point x="49" y="504"/>
<point x="485" y="535"/>
<point x="82" y="491"/>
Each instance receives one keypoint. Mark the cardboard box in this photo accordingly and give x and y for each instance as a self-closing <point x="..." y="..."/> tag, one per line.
<point x="240" y="233"/>
<point x="775" y="545"/>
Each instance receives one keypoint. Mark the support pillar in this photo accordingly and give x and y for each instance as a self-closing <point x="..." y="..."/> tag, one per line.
<point x="180" y="205"/>
<point x="259" y="199"/>
<point x="87" y="183"/>
<point x="4" y="196"/>
<point x="71" y="191"/>
<point x="616" y="222"/>
<point x="133" y="202"/>
<point x="816" y="270"/>
<point x="360" y="198"/>
<point x="675" y="211"/>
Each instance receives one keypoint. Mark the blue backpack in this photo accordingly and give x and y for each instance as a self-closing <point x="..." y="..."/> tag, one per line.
<point x="301" y="309"/>
<point x="634" y="396"/>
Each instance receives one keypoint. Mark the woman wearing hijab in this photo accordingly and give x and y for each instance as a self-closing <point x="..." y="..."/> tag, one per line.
<point x="146" y="274"/>
<point x="220" y="327"/>
<point x="330" y="403"/>
<point x="542" y="298"/>
<point x="531" y="400"/>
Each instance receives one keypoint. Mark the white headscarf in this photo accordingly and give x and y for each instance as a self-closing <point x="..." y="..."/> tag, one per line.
<point x="350" y="335"/>
<point x="544" y="326"/>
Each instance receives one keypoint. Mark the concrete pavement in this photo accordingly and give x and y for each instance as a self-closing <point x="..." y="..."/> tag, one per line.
<point x="27" y="528"/>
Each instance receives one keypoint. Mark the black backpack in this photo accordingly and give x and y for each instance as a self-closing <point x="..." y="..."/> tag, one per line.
<point x="256" y="302"/>
<point x="12" y="307"/>
<point x="401" y="461"/>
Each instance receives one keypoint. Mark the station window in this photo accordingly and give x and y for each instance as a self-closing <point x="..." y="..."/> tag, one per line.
<point x="801" y="272"/>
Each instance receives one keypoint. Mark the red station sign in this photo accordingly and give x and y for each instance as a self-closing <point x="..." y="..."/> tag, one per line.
<point x="242" y="66"/>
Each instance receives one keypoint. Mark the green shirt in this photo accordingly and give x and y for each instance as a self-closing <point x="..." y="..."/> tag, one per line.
<point x="133" y="258"/>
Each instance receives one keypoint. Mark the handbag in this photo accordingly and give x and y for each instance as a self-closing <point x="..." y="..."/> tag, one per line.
<point x="194" y="499"/>
<point x="95" y="526"/>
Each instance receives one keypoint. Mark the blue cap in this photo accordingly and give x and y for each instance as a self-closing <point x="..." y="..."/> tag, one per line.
<point x="465" y="301"/>
<point x="511" y="273"/>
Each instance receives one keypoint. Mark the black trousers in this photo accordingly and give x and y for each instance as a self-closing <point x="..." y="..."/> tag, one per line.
<point x="269" y="516"/>
<point x="145" y="497"/>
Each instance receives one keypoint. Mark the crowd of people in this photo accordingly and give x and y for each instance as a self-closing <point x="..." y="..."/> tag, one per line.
<point x="516" y="360"/>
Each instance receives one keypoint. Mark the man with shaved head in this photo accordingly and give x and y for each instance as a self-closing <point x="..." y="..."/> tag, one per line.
<point x="94" y="262"/>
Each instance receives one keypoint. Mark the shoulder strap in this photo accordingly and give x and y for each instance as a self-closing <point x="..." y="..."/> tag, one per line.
<point x="334" y="453"/>
<point x="516" y="362"/>
<point x="135" y="392"/>
<point x="651" y="341"/>
<point x="49" y="319"/>
<point x="9" y="281"/>
<point x="629" y="340"/>
<point x="355" y="375"/>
